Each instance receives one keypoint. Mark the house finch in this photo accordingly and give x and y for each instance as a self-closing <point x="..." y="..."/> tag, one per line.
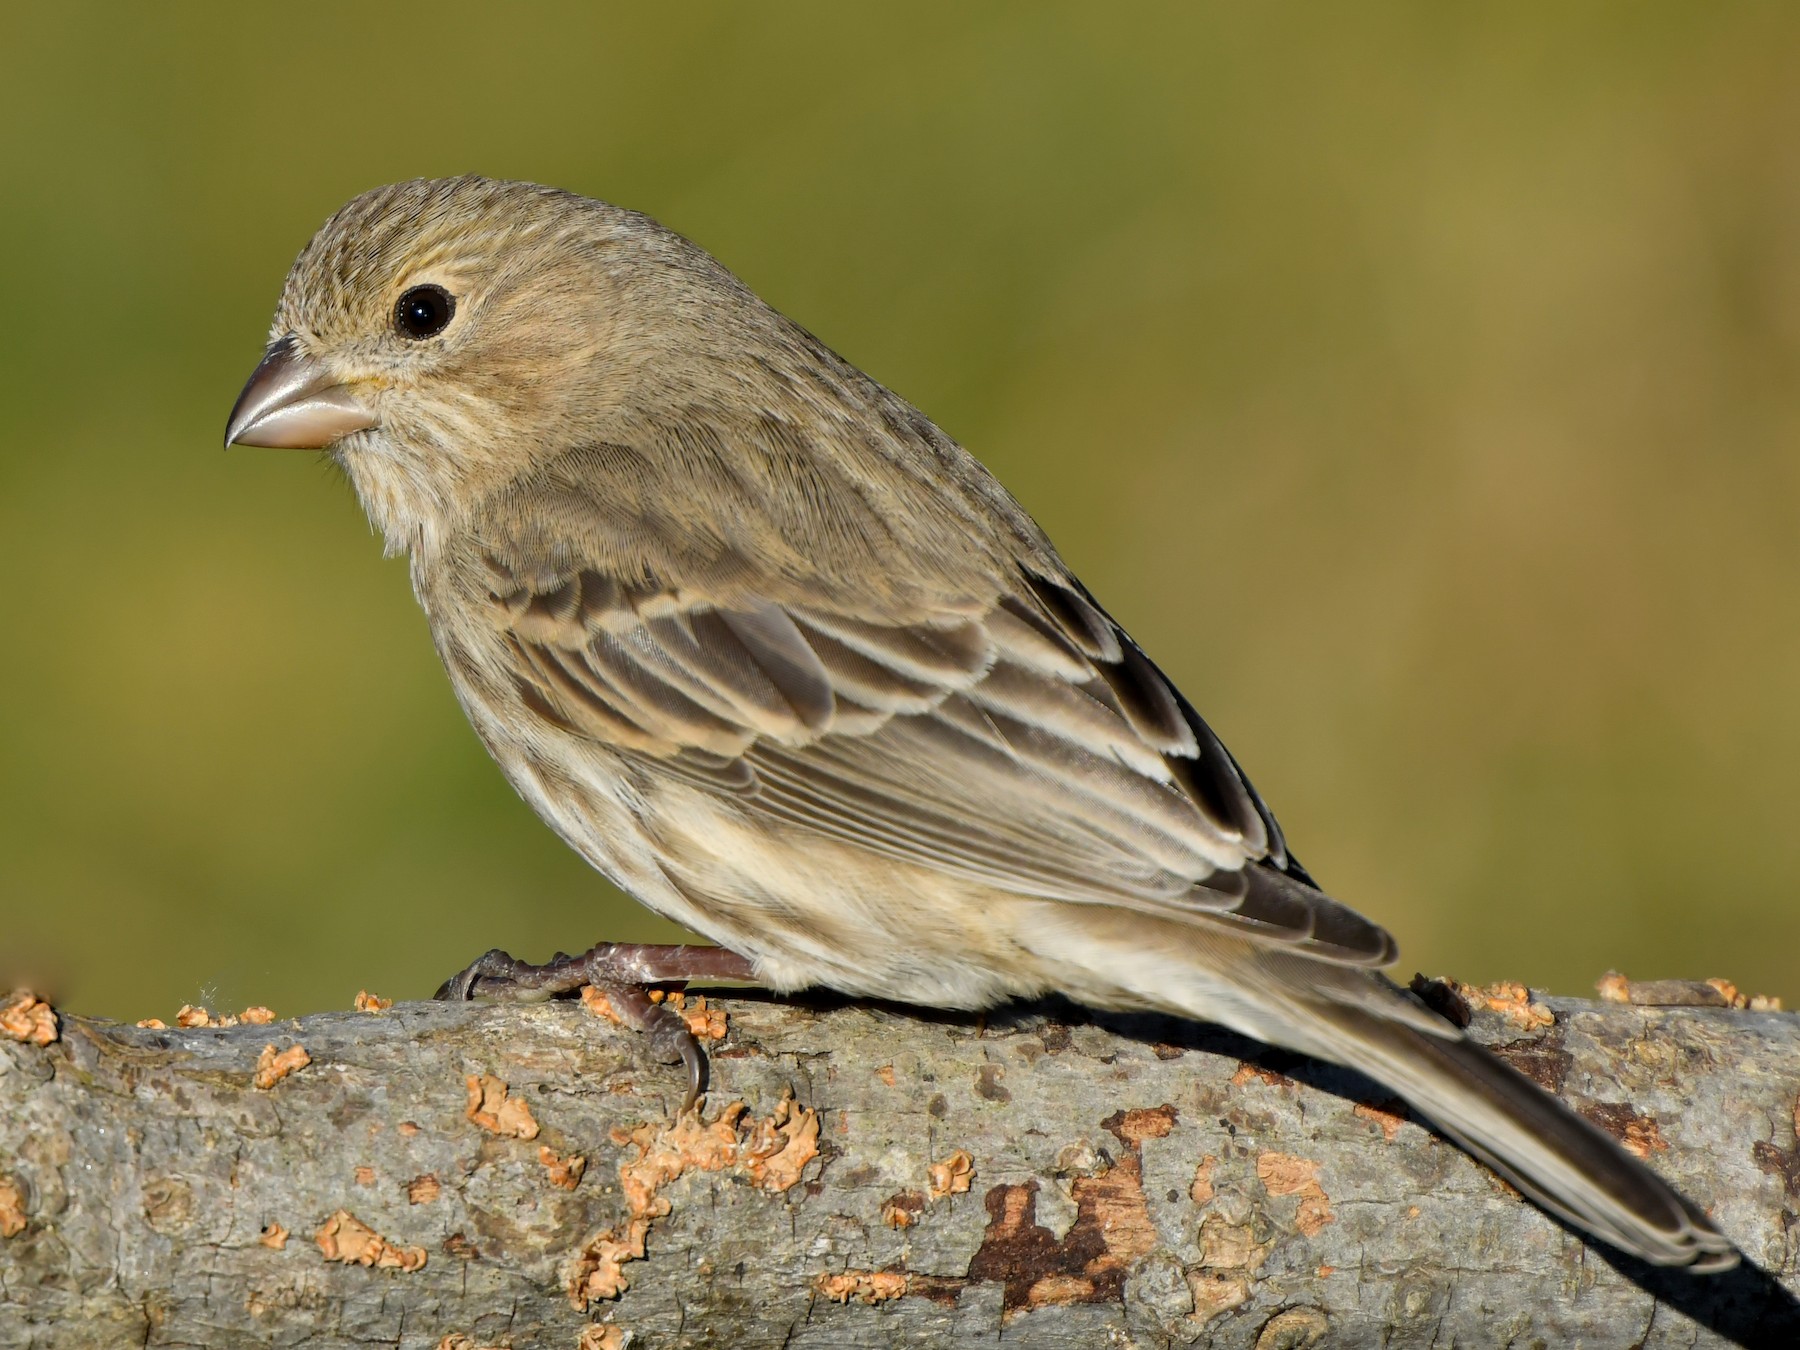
<point x="783" y="661"/>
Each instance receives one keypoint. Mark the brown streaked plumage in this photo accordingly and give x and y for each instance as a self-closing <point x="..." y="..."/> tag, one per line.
<point x="782" y="660"/>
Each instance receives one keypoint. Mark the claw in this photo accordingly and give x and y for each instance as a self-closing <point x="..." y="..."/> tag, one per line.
<point x="491" y="964"/>
<point x="622" y="970"/>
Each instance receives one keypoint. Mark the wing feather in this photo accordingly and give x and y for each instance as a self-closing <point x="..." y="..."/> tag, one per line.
<point x="1027" y="744"/>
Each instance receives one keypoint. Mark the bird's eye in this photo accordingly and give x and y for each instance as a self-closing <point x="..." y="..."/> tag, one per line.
<point x="424" y="311"/>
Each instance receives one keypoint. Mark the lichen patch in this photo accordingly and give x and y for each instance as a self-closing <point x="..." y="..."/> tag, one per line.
<point x="862" y="1286"/>
<point x="272" y="1065"/>
<point x="1388" y="1114"/>
<point x="1200" y="1190"/>
<point x="902" y="1210"/>
<point x="12" y="1208"/>
<point x="347" y="1239"/>
<point x="1089" y="1263"/>
<point x="1284" y="1174"/>
<point x="273" y="1236"/>
<point x="564" y="1172"/>
<point x="780" y="1145"/>
<point x="27" y="1018"/>
<point x="770" y="1151"/>
<point x="1510" y="999"/>
<point x="493" y="1110"/>
<point x="367" y="1002"/>
<point x="704" y="1021"/>
<point x="1133" y="1127"/>
<point x="1255" y="1073"/>
<point x="950" y="1176"/>
<point x="594" y="999"/>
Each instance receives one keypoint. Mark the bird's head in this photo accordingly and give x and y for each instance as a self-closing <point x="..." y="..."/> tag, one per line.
<point x="440" y="336"/>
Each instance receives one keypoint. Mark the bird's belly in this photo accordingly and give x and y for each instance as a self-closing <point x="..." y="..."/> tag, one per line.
<point x="807" y="909"/>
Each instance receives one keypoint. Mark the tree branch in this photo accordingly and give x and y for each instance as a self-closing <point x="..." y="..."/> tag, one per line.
<point x="1048" y="1178"/>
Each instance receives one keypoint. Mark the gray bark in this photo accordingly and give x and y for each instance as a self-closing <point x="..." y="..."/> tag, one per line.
<point x="1130" y="1182"/>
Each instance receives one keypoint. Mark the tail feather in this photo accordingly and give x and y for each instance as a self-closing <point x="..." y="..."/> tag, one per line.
<point x="1564" y="1163"/>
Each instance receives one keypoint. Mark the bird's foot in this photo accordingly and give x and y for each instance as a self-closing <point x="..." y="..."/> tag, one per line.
<point x="621" y="971"/>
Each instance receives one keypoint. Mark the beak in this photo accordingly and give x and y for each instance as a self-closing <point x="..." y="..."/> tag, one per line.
<point x="293" y="403"/>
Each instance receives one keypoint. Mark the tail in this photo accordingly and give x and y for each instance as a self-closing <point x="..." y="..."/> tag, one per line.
<point x="1567" y="1165"/>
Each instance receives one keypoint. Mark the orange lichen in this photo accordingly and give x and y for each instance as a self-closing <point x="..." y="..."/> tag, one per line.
<point x="1255" y="1073"/>
<point x="367" y="1002"/>
<point x="1284" y="1174"/>
<point x="1386" y="1115"/>
<point x="455" y="1340"/>
<point x="1512" y="1001"/>
<point x="153" y="1024"/>
<point x="1742" y="1002"/>
<point x="594" y="1336"/>
<point x="422" y="1190"/>
<point x="365" y="1176"/>
<point x="864" y="1286"/>
<point x="1149" y="1122"/>
<point x="886" y="1074"/>
<point x="1508" y="998"/>
<point x="1714" y="993"/>
<point x="595" y="1001"/>
<point x="26" y="1017"/>
<point x="1200" y="1190"/>
<point x="780" y="1145"/>
<point x="704" y="1022"/>
<point x="564" y="1172"/>
<point x="771" y="1152"/>
<point x="12" y="1208"/>
<point x="348" y="1239"/>
<point x="902" y="1210"/>
<point x="491" y="1108"/>
<point x="274" y="1237"/>
<point x="191" y="1016"/>
<point x="951" y="1176"/>
<point x="272" y="1067"/>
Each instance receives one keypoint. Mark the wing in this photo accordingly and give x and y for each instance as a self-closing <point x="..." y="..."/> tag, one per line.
<point x="1021" y="739"/>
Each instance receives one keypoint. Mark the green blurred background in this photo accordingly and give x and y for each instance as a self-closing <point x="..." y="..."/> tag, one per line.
<point x="1417" y="383"/>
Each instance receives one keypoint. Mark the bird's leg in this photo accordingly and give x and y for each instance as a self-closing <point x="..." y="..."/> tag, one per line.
<point x="620" y="970"/>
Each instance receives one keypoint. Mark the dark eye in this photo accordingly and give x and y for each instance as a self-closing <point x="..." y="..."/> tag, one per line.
<point x="423" y="311"/>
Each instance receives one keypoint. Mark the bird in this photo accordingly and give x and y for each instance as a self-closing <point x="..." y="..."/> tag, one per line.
<point x="787" y="664"/>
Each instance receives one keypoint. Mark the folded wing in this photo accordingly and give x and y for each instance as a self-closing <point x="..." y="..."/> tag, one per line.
<point x="1023" y="741"/>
